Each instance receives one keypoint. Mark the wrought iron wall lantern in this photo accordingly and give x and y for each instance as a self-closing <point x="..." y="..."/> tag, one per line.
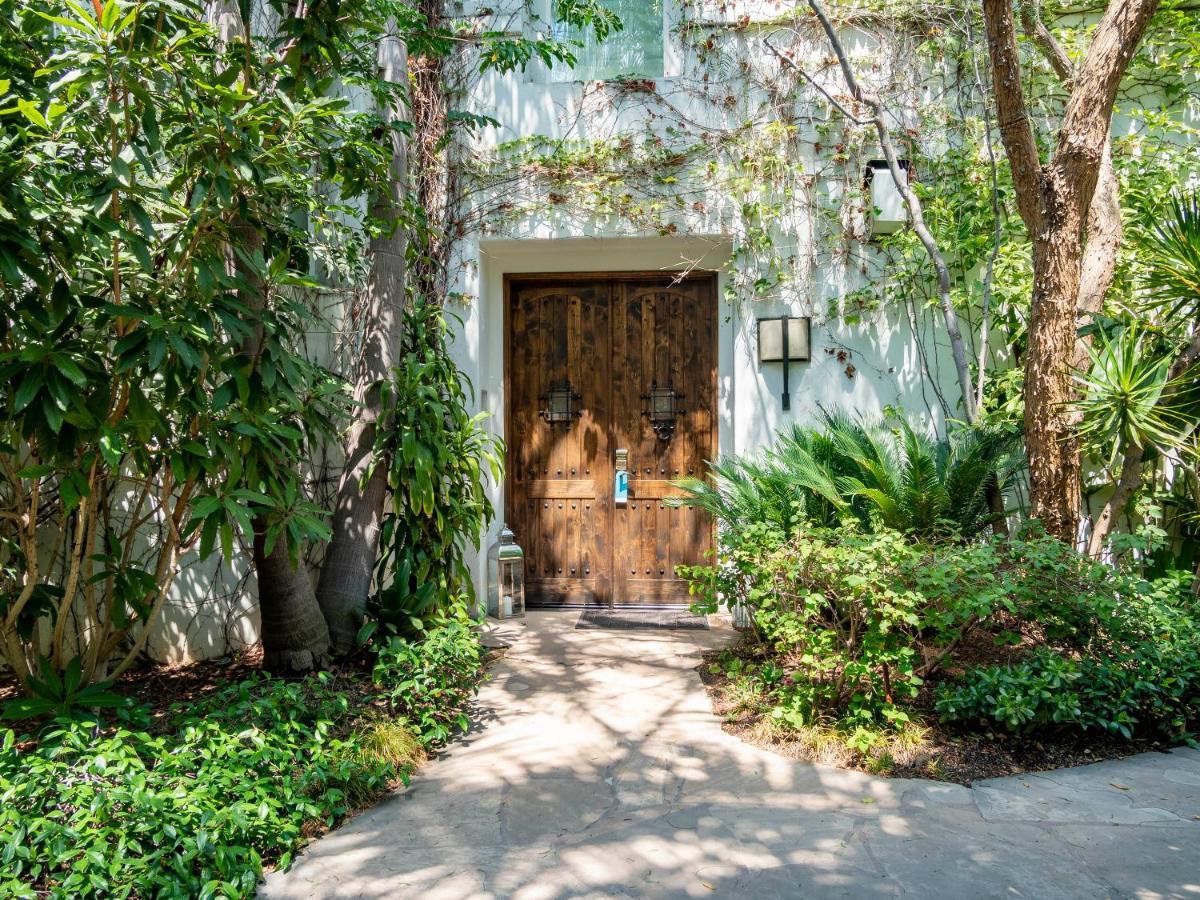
<point x="784" y="339"/>
<point x="662" y="409"/>
<point x="560" y="404"/>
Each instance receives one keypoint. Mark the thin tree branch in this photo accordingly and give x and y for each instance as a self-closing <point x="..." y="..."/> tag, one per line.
<point x="1035" y="28"/>
<point x="1016" y="131"/>
<point x="915" y="211"/>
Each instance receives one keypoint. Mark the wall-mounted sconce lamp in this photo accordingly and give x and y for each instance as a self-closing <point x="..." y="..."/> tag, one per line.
<point x="889" y="214"/>
<point x="560" y="404"/>
<point x="784" y="339"/>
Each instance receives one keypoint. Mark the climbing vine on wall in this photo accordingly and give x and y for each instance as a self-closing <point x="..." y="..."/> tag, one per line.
<point x="746" y="141"/>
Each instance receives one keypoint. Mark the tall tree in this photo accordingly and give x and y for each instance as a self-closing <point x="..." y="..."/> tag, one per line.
<point x="1055" y="201"/>
<point x="295" y="637"/>
<point x="349" y="563"/>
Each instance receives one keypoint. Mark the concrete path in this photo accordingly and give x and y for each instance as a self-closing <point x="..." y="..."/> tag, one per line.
<point x="597" y="769"/>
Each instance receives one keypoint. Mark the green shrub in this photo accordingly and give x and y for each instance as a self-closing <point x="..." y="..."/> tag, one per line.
<point x="856" y="620"/>
<point x="1132" y="661"/>
<point x="191" y="806"/>
<point x="430" y="683"/>
<point x="439" y="458"/>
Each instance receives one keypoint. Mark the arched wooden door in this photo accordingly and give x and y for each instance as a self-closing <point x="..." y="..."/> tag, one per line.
<point x="595" y="365"/>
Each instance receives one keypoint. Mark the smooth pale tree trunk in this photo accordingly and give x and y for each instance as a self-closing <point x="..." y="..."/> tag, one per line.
<point x="346" y="573"/>
<point x="1055" y="201"/>
<point x="293" y="631"/>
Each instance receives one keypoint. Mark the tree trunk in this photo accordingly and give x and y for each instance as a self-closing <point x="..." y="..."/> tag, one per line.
<point x="1105" y="231"/>
<point x="431" y="173"/>
<point x="1055" y="204"/>
<point x="294" y="635"/>
<point x="1126" y="486"/>
<point x="293" y="631"/>
<point x="1050" y="440"/>
<point x="1104" y="227"/>
<point x="346" y="574"/>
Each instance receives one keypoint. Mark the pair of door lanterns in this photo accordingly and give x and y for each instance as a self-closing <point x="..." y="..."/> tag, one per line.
<point x="561" y="405"/>
<point x="506" y="577"/>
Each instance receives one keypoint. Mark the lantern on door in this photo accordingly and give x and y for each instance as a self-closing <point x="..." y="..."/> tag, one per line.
<point x="506" y="577"/>
<point x="662" y="409"/>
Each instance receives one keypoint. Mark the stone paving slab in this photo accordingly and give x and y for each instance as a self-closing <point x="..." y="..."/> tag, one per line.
<point x="597" y="769"/>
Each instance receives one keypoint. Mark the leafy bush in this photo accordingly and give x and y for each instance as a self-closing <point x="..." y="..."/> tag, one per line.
<point x="439" y="461"/>
<point x="861" y="472"/>
<point x="1131" y="661"/>
<point x="192" y="806"/>
<point x="429" y="683"/>
<point x="855" y="624"/>
<point x="857" y="621"/>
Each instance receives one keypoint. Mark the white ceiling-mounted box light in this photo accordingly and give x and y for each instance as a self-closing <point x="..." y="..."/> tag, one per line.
<point x="888" y="211"/>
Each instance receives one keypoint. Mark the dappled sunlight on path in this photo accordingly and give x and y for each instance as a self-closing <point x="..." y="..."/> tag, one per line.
<point x="596" y="768"/>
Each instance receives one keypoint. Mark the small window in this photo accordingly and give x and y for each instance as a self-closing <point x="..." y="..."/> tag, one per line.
<point x="636" y="51"/>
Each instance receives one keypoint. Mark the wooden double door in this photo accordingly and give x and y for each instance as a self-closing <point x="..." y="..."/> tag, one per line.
<point x="596" y="365"/>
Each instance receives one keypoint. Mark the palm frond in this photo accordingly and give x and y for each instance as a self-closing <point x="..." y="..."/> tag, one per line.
<point x="1170" y="248"/>
<point x="851" y="468"/>
<point x="1123" y="401"/>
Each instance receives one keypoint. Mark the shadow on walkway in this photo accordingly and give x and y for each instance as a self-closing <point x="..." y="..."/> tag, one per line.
<point x="596" y="768"/>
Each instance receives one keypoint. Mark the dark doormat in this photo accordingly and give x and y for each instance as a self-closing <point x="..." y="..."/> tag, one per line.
<point x="641" y="618"/>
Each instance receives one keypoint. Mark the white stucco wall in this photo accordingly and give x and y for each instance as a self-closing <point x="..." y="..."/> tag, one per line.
<point x="865" y="367"/>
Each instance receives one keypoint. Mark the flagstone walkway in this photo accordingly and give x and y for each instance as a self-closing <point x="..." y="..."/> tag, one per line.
<point x="597" y="769"/>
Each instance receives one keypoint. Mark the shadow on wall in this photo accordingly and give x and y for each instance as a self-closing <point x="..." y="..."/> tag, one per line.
<point x="211" y="611"/>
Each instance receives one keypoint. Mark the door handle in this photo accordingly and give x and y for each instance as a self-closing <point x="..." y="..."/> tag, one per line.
<point x="621" y="479"/>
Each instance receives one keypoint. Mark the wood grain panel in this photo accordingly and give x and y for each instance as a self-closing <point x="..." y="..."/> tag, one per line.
<point x="653" y="488"/>
<point x="557" y="487"/>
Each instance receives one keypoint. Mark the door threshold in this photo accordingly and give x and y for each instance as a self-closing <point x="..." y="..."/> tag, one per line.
<point x="532" y="607"/>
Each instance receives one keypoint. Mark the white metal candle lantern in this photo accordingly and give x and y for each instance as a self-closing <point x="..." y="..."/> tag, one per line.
<point x="506" y="577"/>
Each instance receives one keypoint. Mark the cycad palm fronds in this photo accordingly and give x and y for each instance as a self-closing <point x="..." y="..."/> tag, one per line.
<point x="923" y="496"/>
<point x="795" y="460"/>
<point x="1170" y="248"/>
<point x="853" y="467"/>
<point x="978" y="458"/>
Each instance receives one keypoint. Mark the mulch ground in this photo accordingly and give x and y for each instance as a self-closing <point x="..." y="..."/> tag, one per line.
<point x="159" y="686"/>
<point x="946" y="754"/>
